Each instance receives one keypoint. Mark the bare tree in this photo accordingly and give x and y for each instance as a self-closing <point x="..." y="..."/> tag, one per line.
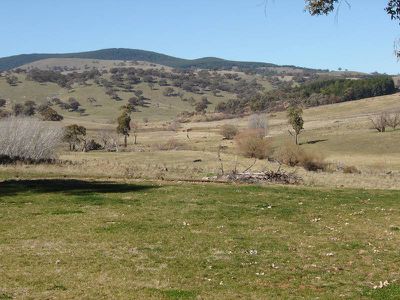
<point x="135" y="129"/>
<point x="379" y="122"/>
<point x="259" y="122"/>
<point x="109" y="139"/>
<point x="29" y="139"/>
<point x="393" y="120"/>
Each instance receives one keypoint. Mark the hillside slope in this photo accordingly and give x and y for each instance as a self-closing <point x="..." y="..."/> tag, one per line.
<point x="106" y="109"/>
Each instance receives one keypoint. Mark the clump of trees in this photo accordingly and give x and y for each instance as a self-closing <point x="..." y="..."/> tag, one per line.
<point x="63" y="80"/>
<point x="315" y="93"/>
<point x="28" y="139"/>
<point x="346" y="89"/>
<point x="28" y="108"/>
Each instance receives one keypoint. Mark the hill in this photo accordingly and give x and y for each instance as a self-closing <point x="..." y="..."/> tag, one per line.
<point x="105" y="92"/>
<point x="11" y="62"/>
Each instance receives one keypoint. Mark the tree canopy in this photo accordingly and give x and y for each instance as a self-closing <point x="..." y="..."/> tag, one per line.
<point x="324" y="7"/>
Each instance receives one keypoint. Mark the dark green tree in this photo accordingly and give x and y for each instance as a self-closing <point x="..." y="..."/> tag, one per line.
<point x="169" y="91"/>
<point x="12" y="80"/>
<point x="124" y="125"/>
<point x="295" y="119"/>
<point x="3" y="102"/>
<point x="49" y="114"/>
<point x="29" y="108"/>
<point x="74" y="134"/>
<point x="18" y="109"/>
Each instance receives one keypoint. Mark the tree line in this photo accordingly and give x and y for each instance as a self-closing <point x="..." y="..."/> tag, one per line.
<point x="318" y="92"/>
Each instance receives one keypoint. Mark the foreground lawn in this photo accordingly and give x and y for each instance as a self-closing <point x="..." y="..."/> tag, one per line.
<point x="97" y="240"/>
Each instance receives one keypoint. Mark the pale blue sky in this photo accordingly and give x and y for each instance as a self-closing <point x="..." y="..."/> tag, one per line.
<point x="360" y="39"/>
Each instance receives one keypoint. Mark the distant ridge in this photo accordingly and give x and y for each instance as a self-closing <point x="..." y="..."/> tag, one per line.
<point x="11" y="62"/>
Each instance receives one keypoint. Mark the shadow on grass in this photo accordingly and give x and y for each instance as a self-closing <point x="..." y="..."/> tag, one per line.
<point x="313" y="142"/>
<point x="67" y="186"/>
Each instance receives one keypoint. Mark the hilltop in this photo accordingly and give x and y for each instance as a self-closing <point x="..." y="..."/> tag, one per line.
<point x="123" y="54"/>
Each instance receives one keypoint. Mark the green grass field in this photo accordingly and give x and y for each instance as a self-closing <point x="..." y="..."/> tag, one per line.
<point x="63" y="239"/>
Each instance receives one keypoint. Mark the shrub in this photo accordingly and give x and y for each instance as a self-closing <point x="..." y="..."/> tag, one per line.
<point x="351" y="170"/>
<point x="28" y="139"/>
<point x="173" y="126"/>
<point x="201" y="107"/>
<point x="73" y="104"/>
<point x="4" y="114"/>
<point x="252" y="144"/>
<point x="229" y="131"/>
<point x="93" y="145"/>
<point x="313" y="162"/>
<point x="292" y="155"/>
<point x="49" y="114"/>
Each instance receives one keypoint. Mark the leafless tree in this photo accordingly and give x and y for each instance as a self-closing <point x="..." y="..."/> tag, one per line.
<point x="135" y="129"/>
<point x="109" y="140"/>
<point x="29" y="138"/>
<point x="393" y="120"/>
<point x="379" y="122"/>
<point x="259" y="122"/>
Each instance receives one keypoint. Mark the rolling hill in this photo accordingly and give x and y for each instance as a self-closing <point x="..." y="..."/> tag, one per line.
<point x="11" y="62"/>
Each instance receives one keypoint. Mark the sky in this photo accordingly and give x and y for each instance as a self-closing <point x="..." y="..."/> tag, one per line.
<point x="358" y="38"/>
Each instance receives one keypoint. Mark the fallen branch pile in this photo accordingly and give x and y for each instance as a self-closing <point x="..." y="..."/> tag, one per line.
<point x="278" y="176"/>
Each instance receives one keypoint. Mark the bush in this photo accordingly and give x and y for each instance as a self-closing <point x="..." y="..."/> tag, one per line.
<point x="292" y="155"/>
<point x="3" y="102"/>
<point x="229" y="131"/>
<point x="49" y="114"/>
<point x="351" y="170"/>
<point x="93" y="145"/>
<point x="28" y="139"/>
<point x="4" y="114"/>
<point x="252" y="144"/>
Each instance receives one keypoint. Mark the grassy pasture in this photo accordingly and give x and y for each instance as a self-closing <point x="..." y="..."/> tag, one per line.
<point x="82" y="239"/>
<point x="341" y="132"/>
